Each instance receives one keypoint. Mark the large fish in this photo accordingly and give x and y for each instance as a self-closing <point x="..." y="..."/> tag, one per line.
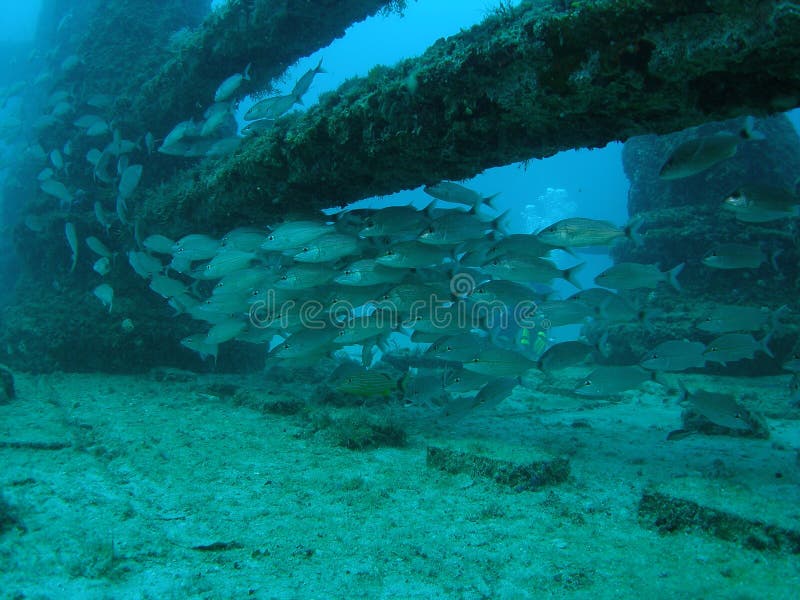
<point x="611" y="380"/>
<point x="731" y="347"/>
<point x="675" y="355"/>
<point x="762" y="203"/>
<point x="227" y="88"/>
<point x="458" y="194"/>
<point x="700" y="154"/>
<point x="304" y="83"/>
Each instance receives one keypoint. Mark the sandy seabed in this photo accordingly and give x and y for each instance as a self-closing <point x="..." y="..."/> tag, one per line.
<point x="130" y="487"/>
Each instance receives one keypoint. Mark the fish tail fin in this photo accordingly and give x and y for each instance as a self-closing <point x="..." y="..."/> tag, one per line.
<point x="672" y="276"/>
<point x="763" y="344"/>
<point x="246" y="74"/>
<point x="499" y="223"/>
<point x="775" y="317"/>
<point x="488" y="200"/>
<point x="572" y="273"/>
<point x="299" y="100"/>
<point x="748" y="132"/>
<point x="318" y="69"/>
<point x="632" y="230"/>
<point x="684" y="393"/>
<point x="602" y="346"/>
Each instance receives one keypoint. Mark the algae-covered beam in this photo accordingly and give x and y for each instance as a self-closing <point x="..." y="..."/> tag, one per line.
<point x="526" y="83"/>
<point x="270" y="34"/>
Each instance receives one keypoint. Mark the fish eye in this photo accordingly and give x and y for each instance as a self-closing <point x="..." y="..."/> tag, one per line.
<point x="587" y="383"/>
<point x="369" y="223"/>
<point x="271" y="238"/>
<point x="348" y="272"/>
<point x="284" y="277"/>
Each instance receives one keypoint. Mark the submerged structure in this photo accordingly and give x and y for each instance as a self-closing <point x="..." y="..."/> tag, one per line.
<point x="527" y="82"/>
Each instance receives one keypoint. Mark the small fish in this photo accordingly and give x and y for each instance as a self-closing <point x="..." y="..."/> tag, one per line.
<point x="302" y="85"/>
<point x="762" y="203"/>
<point x="631" y="276"/>
<point x="105" y="293"/>
<point x="523" y="269"/>
<point x="227" y="88"/>
<point x="294" y="234"/>
<point x="674" y="355"/>
<point x="458" y="194"/>
<point x="327" y="248"/>
<point x="87" y="121"/>
<point x="246" y="239"/>
<point x="491" y="394"/>
<point x="462" y="347"/>
<point x="225" y="331"/>
<point x="462" y="381"/>
<point x="305" y="342"/>
<point x="184" y="129"/>
<point x="102" y="266"/>
<point x="394" y="220"/>
<point x="57" y="190"/>
<point x="304" y="276"/>
<point x="196" y="246"/>
<point x="158" y="244"/>
<point x="350" y="378"/>
<point x="258" y="126"/>
<point x="731" y="347"/>
<point x="611" y="380"/>
<point x="457" y="227"/>
<point x="577" y="232"/>
<point x="734" y="256"/>
<point x="98" y="128"/>
<point x="499" y="362"/>
<point x="100" y="100"/>
<point x="143" y="264"/>
<point x="732" y="318"/>
<point x="98" y="247"/>
<point x="564" y="355"/>
<point x="197" y="343"/>
<point x="368" y="272"/>
<point x="699" y="154"/>
<point x="45" y="174"/>
<point x="413" y="255"/>
<point x="357" y="330"/>
<point x="129" y="180"/>
<point x="720" y="409"/>
<point x="226" y="261"/>
<point x="57" y="160"/>
<point x="166" y="286"/>
<point x="72" y="241"/>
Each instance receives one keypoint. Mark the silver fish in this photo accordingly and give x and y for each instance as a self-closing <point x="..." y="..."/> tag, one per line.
<point x="57" y="190"/>
<point x="458" y="194"/>
<point x="564" y="355"/>
<point x="611" y="380"/>
<point x="197" y="342"/>
<point x="367" y="272"/>
<point x="100" y="215"/>
<point x="105" y="293"/>
<point x="225" y="262"/>
<point x="129" y="180"/>
<point x="577" y="232"/>
<point x="102" y="266"/>
<point x="225" y="331"/>
<point x="327" y="248"/>
<point x="72" y="240"/>
<point x="227" y="88"/>
<point x="294" y="234"/>
<point x="631" y="276"/>
<point x="732" y="318"/>
<point x="489" y="396"/>
<point x="499" y="362"/>
<point x="675" y="355"/>
<point x="302" y="85"/>
<point x="98" y="247"/>
<point x="699" y="154"/>
<point x="720" y="409"/>
<point x="734" y="256"/>
<point x="270" y="108"/>
<point x="159" y="244"/>
<point x="762" y="203"/>
<point x="196" y="246"/>
<point x="736" y="346"/>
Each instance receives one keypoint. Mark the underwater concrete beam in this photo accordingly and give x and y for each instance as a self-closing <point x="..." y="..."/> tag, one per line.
<point x="270" y="34"/>
<point x="526" y="83"/>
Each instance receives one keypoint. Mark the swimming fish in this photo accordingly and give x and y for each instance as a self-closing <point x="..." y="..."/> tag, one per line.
<point x="72" y="240"/>
<point x="304" y="83"/>
<point x="702" y="153"/>
<point x="105" y="293"/>
<point x="762" y="203"/>
<point x="631" y="276"/>
<point x="227" y="88"/>
<point x="674" y="355"/>
<point x="577" y="232"/>
<point x="734" y="256"/>
<point x="611" y="380"/>
<point x="731" y="347"/>
<point x="458" y="194"/>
